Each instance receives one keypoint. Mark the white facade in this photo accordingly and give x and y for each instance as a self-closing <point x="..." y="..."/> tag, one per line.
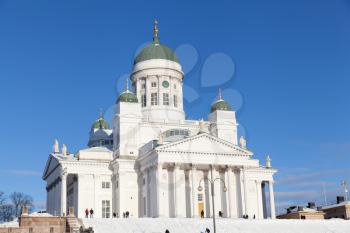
<point x="155" y="163"/>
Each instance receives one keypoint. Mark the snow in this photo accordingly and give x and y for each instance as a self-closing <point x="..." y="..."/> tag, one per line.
<point x="183" y="225"/>
<point x="37" y="214"/>
<point x="9" y="224"/>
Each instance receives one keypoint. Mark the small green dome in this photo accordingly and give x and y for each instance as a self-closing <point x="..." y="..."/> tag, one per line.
<point x="220" y="105"/>
<point x="100" y="123"/>
<point x="156" y="51"/>
<point x="127" y="96"/>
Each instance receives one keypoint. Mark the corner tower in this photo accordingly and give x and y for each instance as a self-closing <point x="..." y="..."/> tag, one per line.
<point x="157" y="77"/>
<point x="222" y="120"/>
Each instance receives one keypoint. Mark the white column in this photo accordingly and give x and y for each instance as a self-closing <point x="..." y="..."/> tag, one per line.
<point x="164" y="192"/>
<point x="140" y="186"/>
<point x="194" y="187"/>
<point x="54" y="200"/>
<point x="208" y="199"/>
<point x="147" y="189"/>
<point x="272" y="200"/>
<point x="97" y="206"/>
<point x="188" y="195"/>
<point x="63" y="194"/>
<point x="260" y="214"/>
<point x="242" y="188"/>
<point x="180" y="207"/>
<point x="160" y="189"/>
<point x="153" y="191"/>
<point x="217" y="191"/>
<point x="231" y="193"/>
<point x="178" y="193"/>
<point x="263" y="188"/>
<point x="75" y="196"/>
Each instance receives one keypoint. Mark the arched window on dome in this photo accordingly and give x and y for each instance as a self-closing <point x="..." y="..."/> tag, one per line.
<point x="154" y="99"/>
<point x="166" y="99"/>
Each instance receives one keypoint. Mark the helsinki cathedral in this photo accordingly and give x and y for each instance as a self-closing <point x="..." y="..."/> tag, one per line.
<point x="153" y="162"/>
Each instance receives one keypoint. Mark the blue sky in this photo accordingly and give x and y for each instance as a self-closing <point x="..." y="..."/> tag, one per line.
<point x="61" y="61"/>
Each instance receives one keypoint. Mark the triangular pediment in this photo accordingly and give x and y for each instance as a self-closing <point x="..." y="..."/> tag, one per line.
<point x="51" y="165"/>
<point x="204" y="143"/>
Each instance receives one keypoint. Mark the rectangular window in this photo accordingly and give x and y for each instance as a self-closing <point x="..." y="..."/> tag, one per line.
<point x="200" y="197"/>
<point x="154" y="99"/>
<point x="51" y="229"/>
<point x="143" y="85"/>
<point x="175" y="101"/>
<point x="165" y="99"/>
<point x="106" y="209"/>
<point x="106" y="185"/>
<point x="153" y="84"/>
<point x="144" y="100"/>
<point x="174" y="86"/>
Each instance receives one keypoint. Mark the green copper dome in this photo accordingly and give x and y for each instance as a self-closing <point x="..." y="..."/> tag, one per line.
<point x="156" y="50"/>
<point x="127" y="96"/>
<point x="220" y="105"/>
<point x="100" y="123"/>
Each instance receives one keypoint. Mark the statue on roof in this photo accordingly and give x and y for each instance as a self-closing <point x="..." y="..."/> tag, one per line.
<point x="243" y="142"/>
<point x="268" y="162"/>
<point x="64" y="150"/>
<point x="56" y="149"/>
<point x="201" y="126"/>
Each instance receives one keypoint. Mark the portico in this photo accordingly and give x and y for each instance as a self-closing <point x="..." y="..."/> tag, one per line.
<point x="181" y="184"/>
<point x="175" y="184"/>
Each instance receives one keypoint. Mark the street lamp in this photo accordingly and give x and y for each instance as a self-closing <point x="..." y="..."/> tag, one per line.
<point x="211" y="181"/>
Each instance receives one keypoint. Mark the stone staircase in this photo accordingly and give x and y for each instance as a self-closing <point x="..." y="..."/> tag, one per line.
<point x="72" y="225"/>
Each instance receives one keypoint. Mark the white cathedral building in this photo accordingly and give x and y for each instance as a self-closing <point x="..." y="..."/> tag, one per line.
<point x="153" y="162"/>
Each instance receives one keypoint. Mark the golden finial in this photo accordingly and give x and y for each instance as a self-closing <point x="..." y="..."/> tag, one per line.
<point x="101" y="113"/>
<point x="220" y="94"/>
<point x="155" y="32"/>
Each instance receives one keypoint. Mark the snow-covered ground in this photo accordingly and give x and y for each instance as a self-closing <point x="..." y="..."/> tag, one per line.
<point x="159" y="225"/>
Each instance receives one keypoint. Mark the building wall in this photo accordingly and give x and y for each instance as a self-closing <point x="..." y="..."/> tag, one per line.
<point x="338" y="212"/>
<point x="38" y="224"/>
<point x="303" y="215"/>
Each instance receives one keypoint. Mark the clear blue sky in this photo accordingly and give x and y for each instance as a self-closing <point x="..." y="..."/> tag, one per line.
<point x="61" y="61"/>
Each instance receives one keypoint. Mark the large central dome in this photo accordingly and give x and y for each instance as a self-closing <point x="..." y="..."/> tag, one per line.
<point x="155" y="50"/>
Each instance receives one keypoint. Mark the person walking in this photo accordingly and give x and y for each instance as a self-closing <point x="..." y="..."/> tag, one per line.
<point x="167" y="231"/>
<point x="91" y="213"/>
<point x="220" y="214"/>
<point x="202" y="214"/>
<point x="86" y="213"/>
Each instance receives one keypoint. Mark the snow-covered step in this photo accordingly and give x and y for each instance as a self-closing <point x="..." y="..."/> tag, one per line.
<point x="184" y="225"/>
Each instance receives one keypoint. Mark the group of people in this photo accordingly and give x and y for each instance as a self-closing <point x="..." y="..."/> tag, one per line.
<point x="87" y="212"/>
<point x="220" y="214"/>
<point x="125" y="215"/>
<point x="246" y="216"/>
